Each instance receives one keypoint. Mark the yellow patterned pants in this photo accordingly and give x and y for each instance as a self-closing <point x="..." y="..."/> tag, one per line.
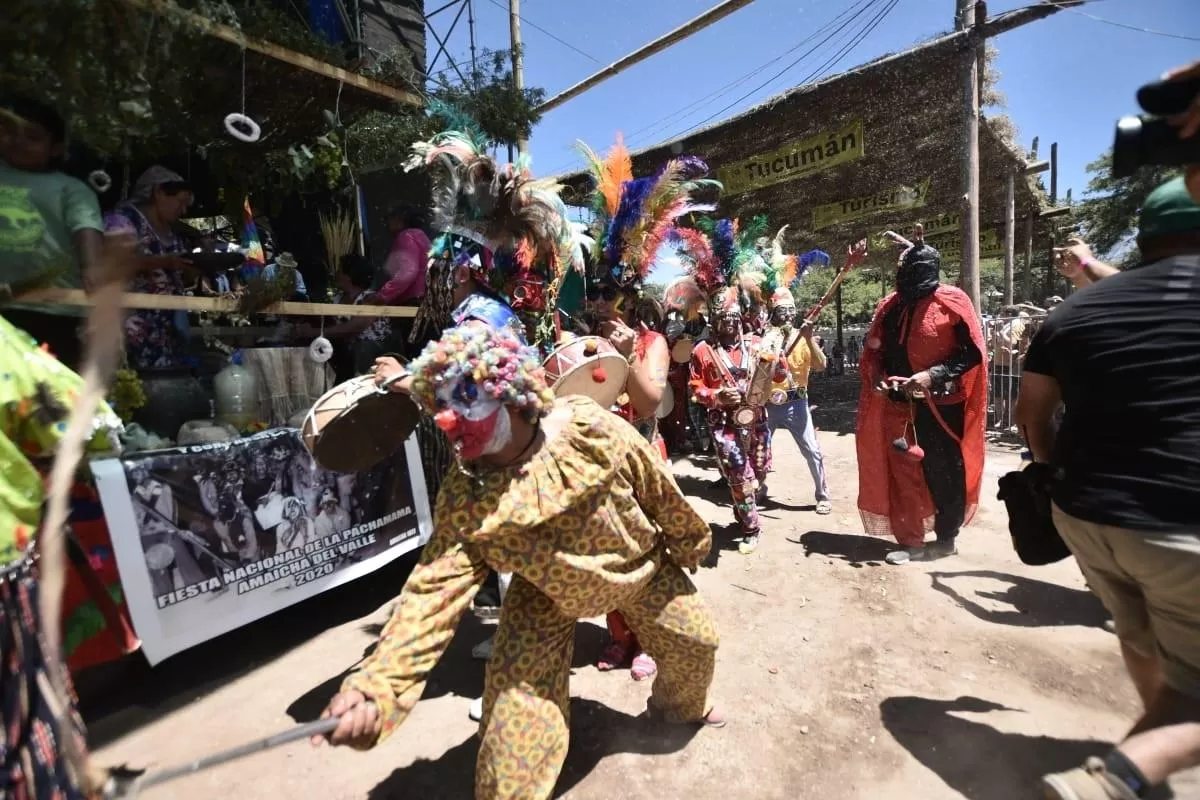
<point x="526" y="719"/>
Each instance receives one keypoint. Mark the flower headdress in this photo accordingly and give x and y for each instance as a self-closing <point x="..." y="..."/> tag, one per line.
<point x="637" y="215"/>
<point x="489" y="363"/>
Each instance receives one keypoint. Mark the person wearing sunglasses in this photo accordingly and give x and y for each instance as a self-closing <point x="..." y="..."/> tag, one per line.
<point x="625" y="253"/>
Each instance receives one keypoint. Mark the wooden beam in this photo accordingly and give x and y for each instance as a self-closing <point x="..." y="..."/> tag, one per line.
<point x="1035" y="167"/>
<point x="170" y="302"/>
<point x="1050" y="213"/>
<point x="685" y="30"/>
<point x="271" y="50"/>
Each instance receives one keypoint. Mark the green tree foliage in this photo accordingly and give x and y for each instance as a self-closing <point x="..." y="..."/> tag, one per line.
<point x="1108" y="213"/>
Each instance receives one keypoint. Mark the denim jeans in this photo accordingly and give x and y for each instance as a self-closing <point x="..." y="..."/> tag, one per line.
<point x="794" y="416"/>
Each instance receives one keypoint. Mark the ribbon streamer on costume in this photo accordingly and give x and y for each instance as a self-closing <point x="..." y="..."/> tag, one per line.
<point x="103" y="358"/>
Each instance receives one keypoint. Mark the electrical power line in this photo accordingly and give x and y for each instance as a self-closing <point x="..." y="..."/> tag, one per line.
<point x="556" y="38"/>
<point x="1135" y="27"/>
<point x="782" y="72"/>
<point x="664" y="121"/>
<point x="854" y="11"/>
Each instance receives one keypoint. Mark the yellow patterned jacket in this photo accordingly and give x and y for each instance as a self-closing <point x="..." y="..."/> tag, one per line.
<point x="586" y="520"/>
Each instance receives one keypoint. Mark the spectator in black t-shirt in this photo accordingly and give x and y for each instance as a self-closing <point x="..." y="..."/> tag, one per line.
<point x="1124" y="356"/>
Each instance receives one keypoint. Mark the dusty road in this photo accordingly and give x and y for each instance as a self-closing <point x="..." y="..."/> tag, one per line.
<point x="842" y="677"/>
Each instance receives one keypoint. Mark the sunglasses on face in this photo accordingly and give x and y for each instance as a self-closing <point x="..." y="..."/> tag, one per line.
<point x="605" y="293"/>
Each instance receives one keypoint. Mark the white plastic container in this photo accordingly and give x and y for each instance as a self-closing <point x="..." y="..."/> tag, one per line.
<point x="236" y="390"/>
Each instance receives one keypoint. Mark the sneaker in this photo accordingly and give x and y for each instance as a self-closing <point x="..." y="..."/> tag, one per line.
<point x="905" y="556"/>
<point x="748" y="544"/>
<point x="475" y="712"/>
<point x="1089" y="782"/>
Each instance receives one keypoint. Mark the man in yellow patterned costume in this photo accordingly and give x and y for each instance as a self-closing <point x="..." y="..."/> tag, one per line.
<point x="584" y="512"/>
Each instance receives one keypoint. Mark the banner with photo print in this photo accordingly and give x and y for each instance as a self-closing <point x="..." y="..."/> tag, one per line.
<point x="211" y="537"/>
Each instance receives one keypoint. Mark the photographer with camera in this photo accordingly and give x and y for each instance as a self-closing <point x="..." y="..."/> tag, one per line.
<point x="1125" y="358"/>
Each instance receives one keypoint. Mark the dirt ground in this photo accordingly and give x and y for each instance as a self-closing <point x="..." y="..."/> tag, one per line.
<point x="842" y="677"/>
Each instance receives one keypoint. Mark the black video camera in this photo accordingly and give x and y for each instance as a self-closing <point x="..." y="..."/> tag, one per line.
<point x="1149" y="139"/>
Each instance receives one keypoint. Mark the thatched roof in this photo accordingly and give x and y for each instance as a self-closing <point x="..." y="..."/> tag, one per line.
<point x="912" y="137"/>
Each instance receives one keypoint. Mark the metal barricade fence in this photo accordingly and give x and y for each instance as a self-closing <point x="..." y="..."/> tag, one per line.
<point x="1007" y="339"/>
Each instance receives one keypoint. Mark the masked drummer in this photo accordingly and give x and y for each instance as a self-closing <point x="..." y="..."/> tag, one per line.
<point x="461" y="269"/>
<point x="526" y="502"/>
<point x="788" y="407"/>
<point x="741" y="436"/>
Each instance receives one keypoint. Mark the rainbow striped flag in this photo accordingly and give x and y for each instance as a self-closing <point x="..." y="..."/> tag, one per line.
<point x="250" y="241"/>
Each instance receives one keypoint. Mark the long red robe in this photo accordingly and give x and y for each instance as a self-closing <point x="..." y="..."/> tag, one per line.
<point x="893" y="497"/>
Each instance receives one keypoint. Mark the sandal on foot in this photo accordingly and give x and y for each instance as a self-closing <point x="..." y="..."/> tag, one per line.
<point x="824" y="507"/>
<point x="643" y="667"/>
<point x="615" y="656"/>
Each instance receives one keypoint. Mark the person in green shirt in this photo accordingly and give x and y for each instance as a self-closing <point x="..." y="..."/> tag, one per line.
<point x="50" y="224"/>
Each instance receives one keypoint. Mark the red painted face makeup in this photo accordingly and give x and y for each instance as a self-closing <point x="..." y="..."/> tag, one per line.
<point x="475" y="424"/>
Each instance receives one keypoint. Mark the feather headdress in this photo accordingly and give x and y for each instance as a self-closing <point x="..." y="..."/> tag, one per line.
<point x="723" y="254"/>
<point x="637" y="215"/>
<point x="502" y="207"/>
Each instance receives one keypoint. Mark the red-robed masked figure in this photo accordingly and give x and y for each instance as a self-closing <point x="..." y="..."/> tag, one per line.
<point x="920" y="438"/>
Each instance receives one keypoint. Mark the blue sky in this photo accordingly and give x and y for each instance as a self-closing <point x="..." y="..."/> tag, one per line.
<point x="1067" y="78"/>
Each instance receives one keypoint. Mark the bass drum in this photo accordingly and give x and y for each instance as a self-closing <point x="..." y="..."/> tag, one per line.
<point x="667" y="404"/>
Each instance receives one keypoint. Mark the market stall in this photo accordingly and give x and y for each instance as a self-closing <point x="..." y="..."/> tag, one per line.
<point x="217" y="515"/>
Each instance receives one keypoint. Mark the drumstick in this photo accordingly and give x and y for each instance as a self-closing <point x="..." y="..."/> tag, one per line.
<point x="816" y="310"/>
<point x="125" y="783"/>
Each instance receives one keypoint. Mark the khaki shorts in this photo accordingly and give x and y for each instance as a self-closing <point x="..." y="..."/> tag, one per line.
<point x="1150" y="583"/>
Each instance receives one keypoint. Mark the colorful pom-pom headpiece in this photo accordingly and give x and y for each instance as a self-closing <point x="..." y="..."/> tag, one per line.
<point x="493" y="362"/>
<point x="637" y="215"/>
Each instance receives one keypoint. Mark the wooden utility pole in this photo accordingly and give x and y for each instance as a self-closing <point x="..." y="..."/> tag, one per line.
<point x="518" y="58"/>
<point x="1049" y="285"/>
<point x="685" y="30"/>
<point x="838" y="315"/>
<point x="972" y="69"/>
<point x="1010" y="235"/>
<point x="1027" y="269"/>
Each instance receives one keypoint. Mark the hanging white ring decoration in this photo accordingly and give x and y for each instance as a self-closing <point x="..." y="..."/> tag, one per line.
<point x="321" y="350"/>
<point x="242" y="128"/>
<point x="100" y="181"/>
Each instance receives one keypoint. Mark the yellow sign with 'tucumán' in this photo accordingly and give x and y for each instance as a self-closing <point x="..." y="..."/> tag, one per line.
<point x="793" y="160"/>
<point x="898" y="199"/>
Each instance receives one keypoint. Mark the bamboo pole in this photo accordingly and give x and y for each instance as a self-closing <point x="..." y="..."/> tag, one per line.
<point x="170" y="302"/>
<point x="685" y="30"/>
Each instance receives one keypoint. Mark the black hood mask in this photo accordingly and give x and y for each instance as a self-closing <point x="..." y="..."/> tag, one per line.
<point x="918" y="275"/>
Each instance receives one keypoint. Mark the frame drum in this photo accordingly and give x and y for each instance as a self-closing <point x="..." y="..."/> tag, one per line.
<point x="589" y="366"/>
<point x="681" y="351"/>
<point x="354" y="425"/>
<point x="667" y="404"/>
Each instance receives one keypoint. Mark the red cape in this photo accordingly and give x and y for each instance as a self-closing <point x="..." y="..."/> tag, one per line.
<point x="892" y="496"/>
